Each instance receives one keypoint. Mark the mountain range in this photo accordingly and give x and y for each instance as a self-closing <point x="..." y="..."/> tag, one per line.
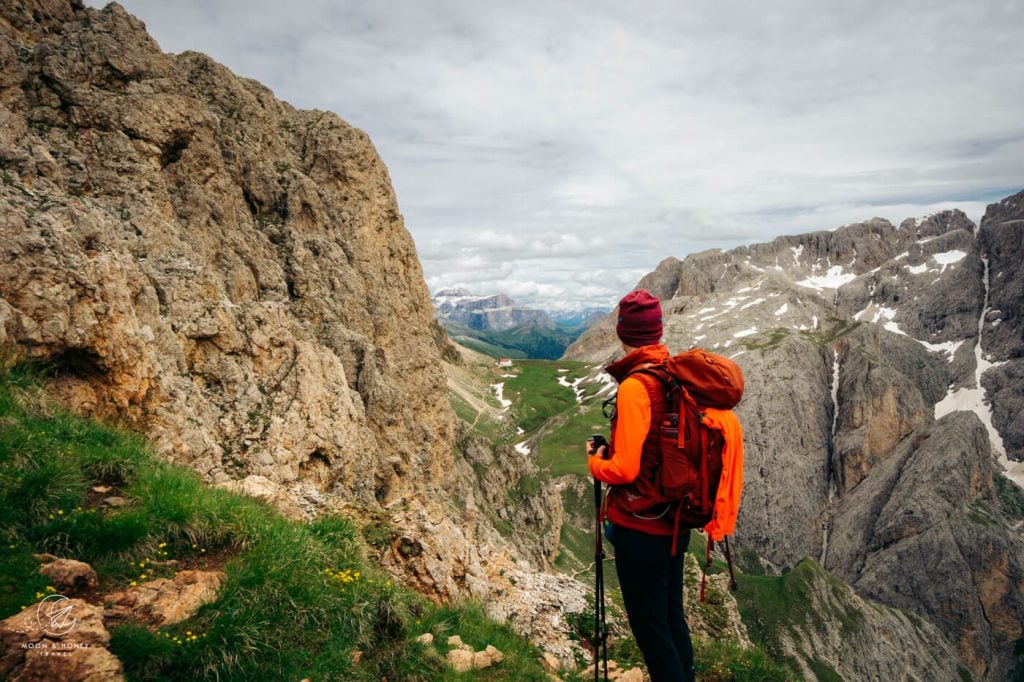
<point x="496" y="325"/>
<point x="884" y="410"/>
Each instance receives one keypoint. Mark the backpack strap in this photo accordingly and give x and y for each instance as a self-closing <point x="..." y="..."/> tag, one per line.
<point x="669" y="384"/>
<point x="675" y="530"/>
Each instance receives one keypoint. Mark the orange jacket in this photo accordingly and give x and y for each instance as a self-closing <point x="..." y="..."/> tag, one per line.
<point x="634" y="453"/>
<point x="730" y="486"/>
<point x="633" y="407"/>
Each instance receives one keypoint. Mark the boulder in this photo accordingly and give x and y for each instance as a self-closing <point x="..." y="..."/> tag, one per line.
<point x="57" y="640"/>
<point x="460" y="660"/>
<point x="68" y="575"/>
<point x="165" y="602"/>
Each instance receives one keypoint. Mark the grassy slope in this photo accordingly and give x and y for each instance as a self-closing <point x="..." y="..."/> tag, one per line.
<point x="300" y="598"/>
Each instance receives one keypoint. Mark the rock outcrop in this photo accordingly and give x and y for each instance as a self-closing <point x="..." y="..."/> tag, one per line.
<point x="233" y="277"/>
<point x="883" y="402"/>
<point x="58" y="640"/>
<point x="925" y="533"/>
<point x="165" y="601"/>
<point x="1002" y="238"/>
<point x="69" y="575"/>
<point x="228" y="272"/>
<point x="832" y="633"/>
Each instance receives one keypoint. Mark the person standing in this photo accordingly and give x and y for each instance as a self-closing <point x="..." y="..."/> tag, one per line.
<point x="648" y="562"/>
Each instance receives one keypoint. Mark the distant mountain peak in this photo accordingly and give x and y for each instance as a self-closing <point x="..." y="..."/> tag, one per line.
<point x="496" y="312"/>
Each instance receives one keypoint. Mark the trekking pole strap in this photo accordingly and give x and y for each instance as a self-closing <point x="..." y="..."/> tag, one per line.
<point x="707" y="567"/>
<point x="728" y="558"/>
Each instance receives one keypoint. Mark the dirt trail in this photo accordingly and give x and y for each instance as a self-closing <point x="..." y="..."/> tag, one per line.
<point x="468" y="386"/>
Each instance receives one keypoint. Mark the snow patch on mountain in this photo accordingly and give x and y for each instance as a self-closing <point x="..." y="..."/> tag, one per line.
<point x="499" y="391"/>
<point x="948" y="258"/>
<point x="834" y="278"/>
<point x="573" y="386"/>
<point x="972" y="398"/>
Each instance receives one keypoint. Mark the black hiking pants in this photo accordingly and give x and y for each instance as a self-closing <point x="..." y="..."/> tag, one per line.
<point x="651" y="580"/>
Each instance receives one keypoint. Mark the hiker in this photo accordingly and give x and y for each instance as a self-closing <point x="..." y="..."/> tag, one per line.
<point x="649" y="569"/>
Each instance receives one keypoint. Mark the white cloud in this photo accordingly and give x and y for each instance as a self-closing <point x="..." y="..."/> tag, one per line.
<point x="534" y="144"/>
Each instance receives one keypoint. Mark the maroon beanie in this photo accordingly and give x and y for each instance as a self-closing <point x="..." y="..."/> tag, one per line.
<point x="639" y="319"/>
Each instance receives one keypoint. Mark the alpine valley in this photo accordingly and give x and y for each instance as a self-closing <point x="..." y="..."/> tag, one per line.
<point x="224" y="388"/>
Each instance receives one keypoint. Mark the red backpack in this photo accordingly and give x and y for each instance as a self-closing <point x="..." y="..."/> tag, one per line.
<point x="691" y="450"/>
<point x="691" y="457"/>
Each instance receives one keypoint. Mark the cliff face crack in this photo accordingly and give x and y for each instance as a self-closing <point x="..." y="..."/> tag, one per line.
<point x="830" y="464"/>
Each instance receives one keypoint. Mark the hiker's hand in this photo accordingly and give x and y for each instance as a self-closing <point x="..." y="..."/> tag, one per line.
<point x="597" y="446"/>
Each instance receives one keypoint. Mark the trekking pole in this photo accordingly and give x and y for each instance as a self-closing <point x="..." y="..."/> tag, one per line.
<point x="600" y="625"/>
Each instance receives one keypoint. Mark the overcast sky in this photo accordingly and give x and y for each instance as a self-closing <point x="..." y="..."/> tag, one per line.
<point x="558" y="151"/>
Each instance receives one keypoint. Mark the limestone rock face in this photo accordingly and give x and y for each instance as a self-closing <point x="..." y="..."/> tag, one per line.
<point x="491" y="313"/>
<point x="233" y="277"/>
<point x="853" y="342"/>
<point x="786" y="414"/>
<point x="860" y="640"/>
<point x="230" y="273"/>
<point x="442" y="557"/>
<point x="717" y="618"/>
<point x="922" y="533"/>
<point x="1002" y="234"/>
<point x="878" y="404"/>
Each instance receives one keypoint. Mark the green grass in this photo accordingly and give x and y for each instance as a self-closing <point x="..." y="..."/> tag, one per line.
<point x="490" y="349"/>
<point x="536" y="394"/>
<point x="980" y="513"/>
<point x="560" y="449"/>
<point x="721" y="661"/>
<point x="770" y="604"/>
<point x="299" y="601"/>
<point x="519" y="342"/>
<point x="1011" y="498"/>
<point x="540" y="404"/>
<point x="463" y="410"/>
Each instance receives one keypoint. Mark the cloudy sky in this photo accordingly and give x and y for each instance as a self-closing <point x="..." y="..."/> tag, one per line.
<point x="558" y="150"/>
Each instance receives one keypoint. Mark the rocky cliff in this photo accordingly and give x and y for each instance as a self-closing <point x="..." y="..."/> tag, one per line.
<point x="233" y="277"/>
<point x="221" y="268"/>
<point x="883" y="408"/>
<point x="828" y="632"/>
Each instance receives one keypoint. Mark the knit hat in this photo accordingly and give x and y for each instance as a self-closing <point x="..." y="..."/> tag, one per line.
<point x="639" y="319"/>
